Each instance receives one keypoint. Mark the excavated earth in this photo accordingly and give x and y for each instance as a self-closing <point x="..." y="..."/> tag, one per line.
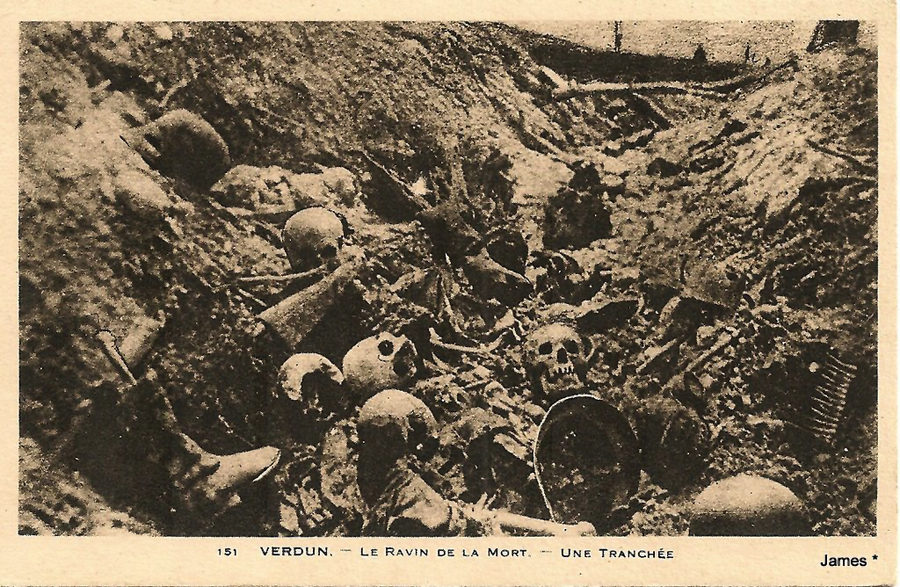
<point x="756" y="207"/>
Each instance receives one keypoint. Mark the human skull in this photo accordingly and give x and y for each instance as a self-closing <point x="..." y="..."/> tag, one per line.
<point x="312" y="237"/>
<point x="379" y="362"/>
<point x="747" y="505"/>
<point x="302" y="377"/>
<point x="555" y="360"/>
<point x="393" y="415"/>
<point x="181" y="144"/>
<point x="392" y="426"/>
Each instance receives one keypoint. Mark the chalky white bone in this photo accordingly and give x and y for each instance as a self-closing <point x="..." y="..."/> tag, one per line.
<point x="554" y="356"/>
<point x="379" y="362"/>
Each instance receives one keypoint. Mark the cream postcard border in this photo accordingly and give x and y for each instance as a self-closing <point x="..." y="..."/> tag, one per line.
<point x="697" y="561"/>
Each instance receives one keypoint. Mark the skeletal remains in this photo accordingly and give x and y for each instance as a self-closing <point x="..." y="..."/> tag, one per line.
<point x="138" y="413"/>
<point x="294" y="378"/>
<point x="555" y="361"/>
<point x="395" y="429"/>
<point x="312" y="237"/>
<point x="829" y="398"/>
<point x="379" y="362"/>
<point x="393" y="426"/>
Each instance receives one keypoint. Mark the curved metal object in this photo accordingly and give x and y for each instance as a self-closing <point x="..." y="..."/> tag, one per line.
<point x="586" y="461"/>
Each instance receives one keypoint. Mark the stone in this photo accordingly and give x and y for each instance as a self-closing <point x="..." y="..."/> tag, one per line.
<point x="713" y="282"/>
<point x="664" y="168"/>
<point x="574" y="219"/>
<point x="141" y="195"/>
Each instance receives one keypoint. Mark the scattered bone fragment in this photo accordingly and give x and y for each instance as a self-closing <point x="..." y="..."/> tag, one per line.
<point x="301" y="369"/>
<point x="274" y="190"/>
<point x="828" y="399"/>
<point x="142" y="196"/>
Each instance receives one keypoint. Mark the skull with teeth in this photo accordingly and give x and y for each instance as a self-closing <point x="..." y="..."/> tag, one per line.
<point x="379" y="362"/>
<point x="312" y="237"/>
<point x="555" y="361"/>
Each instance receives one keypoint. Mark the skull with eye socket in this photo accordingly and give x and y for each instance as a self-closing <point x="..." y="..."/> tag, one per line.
<point x="555" y="360"/>
<point x="380" y="362"/>
<point x="312" y="237"/>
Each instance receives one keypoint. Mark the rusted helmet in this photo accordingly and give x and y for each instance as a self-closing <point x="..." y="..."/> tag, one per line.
<point x="311" y="237"/>
<point x="182" y="145"/>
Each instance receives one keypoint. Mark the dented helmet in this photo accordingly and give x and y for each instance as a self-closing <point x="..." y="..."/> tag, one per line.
<point x="395" y="420"/>
<point x="311" y="237"/>
<point x="379" y="362"/>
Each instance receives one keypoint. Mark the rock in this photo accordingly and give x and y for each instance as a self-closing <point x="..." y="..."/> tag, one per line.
<point x="255" y="188"/>
<point x="586" y="176"/>
<point x="338" y="471"/>
<point x="718" y="283"/>
<point x="593" y="316"/>
<point x="674" y="442"/>
<point x="141" y="195"/>
<point x="491" y="280"/>
<point x="163" y="32"/>
<point x="182" y="145"/>
<point x="602" y="315"/>
<point x="332" y="186"/>
<point x="830" y="32"/>
<point x="707" y="163"/>
<point x="340" y="182"/>
<point x="613" y="185"/>
<point x="608" y="165"/>
<point x="508" y="248"/>
<point x="747" y="505"/>
<point x="559" y="312"/>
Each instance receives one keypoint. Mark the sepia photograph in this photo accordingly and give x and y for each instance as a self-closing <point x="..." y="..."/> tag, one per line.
<point x="449" y="278"/>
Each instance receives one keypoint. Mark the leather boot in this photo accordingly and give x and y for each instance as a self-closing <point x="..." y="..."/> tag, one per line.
<point x="196" y="485"/>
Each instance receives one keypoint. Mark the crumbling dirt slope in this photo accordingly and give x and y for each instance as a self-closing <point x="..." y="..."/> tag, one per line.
<point x="762" y="198"/>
